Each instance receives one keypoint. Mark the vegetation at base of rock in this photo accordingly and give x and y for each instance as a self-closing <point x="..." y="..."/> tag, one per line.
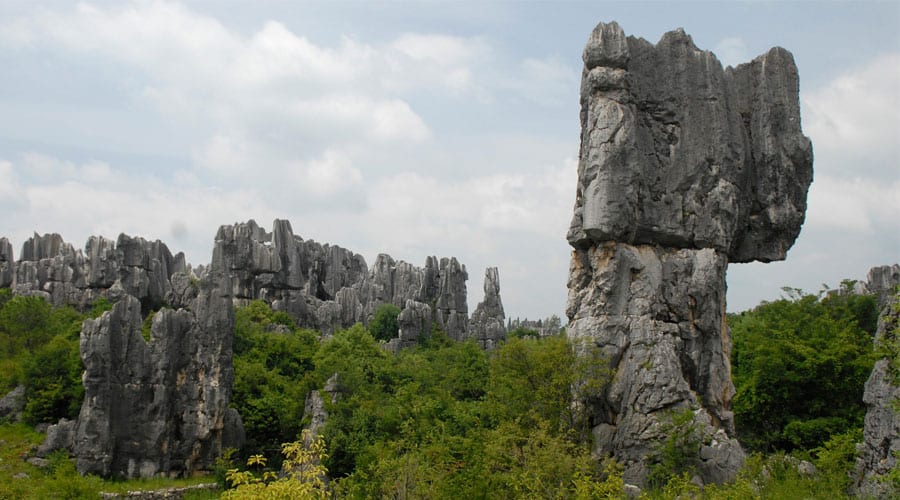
<point x="384" y="325"/>
<point x="447" y="419"/>
<point x="39" y="348"/>
<point x="678" y="452"/>
<point x="273" y="371"/>
<point x="799" y="366"/>
<point x="301" y="475"/>
<point x="20" y="479"/>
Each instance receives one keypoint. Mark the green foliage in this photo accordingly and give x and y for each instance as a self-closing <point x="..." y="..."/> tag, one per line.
<point x="98" y="307"/>
<point x="799" y="366"/>
<point x="147" y="326"/>
<point x="836" y="459"/>
<point x="273" y="371"/>
<point x="25" y="323"/>
<point x="521" y="332"/>
<point x="385" y="325"/>
<point x="5" y="296"/>
<point x="40" y="351"/>
<point x="447" y="420"/>
<point x="302" y="474"/>
<point x="677" y="454"/>
<point x="53" y="377"/>
<point x="889" y="345"/>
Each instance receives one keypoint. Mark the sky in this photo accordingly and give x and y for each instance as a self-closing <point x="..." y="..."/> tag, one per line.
<point x="407" y="128"/>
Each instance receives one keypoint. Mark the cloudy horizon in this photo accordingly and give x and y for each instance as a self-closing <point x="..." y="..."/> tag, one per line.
<point x="406" y="128"/>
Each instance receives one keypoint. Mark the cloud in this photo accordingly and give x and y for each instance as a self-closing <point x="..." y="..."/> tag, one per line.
<point x="95" y="198"/>
<point x="857" y="205"/>
<point x="854" y="123"/>
<point x="731" y="51"/>
<point x="332" y="173"/>
<point x="479" y="211"/>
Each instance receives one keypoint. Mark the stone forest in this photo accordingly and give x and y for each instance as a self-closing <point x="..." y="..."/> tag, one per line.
<point x="684" y="167"/>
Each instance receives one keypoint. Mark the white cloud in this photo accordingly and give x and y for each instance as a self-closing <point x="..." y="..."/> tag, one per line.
<point x="731" y="51"/>
<point x="96" y="198"/>
<point x="332" y="173"/>
<point x="854" y="121"/>
<point x="479" y="211"/>
<point x="853" y="205"/>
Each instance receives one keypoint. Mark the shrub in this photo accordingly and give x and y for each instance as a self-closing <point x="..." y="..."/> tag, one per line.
<point x="385" y="325"/>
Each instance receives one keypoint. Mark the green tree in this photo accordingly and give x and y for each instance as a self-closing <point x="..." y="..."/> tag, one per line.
<point x="25" y="323"/>
<point x="384" y="324"/>
<point x="273" y="372"/>
<point x="799" y="366"/>
<point x="52" y="376"/>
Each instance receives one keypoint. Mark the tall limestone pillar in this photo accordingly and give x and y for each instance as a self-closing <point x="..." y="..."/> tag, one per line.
<point x="684" y="167"/>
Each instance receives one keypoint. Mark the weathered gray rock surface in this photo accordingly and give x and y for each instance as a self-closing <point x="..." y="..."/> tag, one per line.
<point x="684" y="166"/>
<point x="12" y="404"/>
<point x="158" y="406"/>
<point x="51" y="268"/>
<point x="487" y="326"/>
<point x="880" y="448"/>
<point x="327" y="287"/>
<point x="7" y="264"/>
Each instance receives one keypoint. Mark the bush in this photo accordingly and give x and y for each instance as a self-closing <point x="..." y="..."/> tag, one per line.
<point x="385" y="325"/>
<point x="799" y="368"/>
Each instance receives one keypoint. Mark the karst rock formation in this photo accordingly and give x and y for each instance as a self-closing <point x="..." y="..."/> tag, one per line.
<point x="160" y="405"/>
<point x="684" y="167"/>
<point x="327" y="287"/>
<point x="880" y="449"/>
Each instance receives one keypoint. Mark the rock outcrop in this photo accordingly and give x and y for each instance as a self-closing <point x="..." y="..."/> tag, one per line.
<point x="156" y="406"/>
<point x="487" y="325"/>
<point x="880" y="450"/>
<point x="684" y="167"/>
<point x="159" y="405"/>
<point x="327" y="287"/>
<point x="7" y="264"/>
<point x="51" y="268"/>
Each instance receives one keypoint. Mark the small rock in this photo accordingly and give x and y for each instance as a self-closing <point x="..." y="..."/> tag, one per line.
<point x="38" y="462"/>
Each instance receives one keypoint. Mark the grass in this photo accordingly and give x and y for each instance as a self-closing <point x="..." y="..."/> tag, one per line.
<point x="21" y="480"/>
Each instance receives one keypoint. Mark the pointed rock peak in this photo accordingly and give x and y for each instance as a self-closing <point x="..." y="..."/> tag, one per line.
<point x="607" y="46"/>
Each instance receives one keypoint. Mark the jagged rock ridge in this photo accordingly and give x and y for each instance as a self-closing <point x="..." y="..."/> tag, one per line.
<point x="327" y="287"/>
<point x="684" y="167"/>
<point x="51" y="268"/>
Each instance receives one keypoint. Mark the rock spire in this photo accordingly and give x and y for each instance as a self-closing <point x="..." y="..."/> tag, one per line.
<point x="684" y="167"/>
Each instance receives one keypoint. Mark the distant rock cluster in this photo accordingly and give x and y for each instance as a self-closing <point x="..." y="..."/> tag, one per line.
<point x="51" y="268"/>
<point x="684" y="167"/>
<point x="161" y="405"/>
<point x="326" y="287"/>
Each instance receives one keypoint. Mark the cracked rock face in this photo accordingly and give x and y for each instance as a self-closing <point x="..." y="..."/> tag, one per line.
<point x="158" y="406"/>
<point x="7" y="264"/>
<point x="51" y="268"/>
<point x="881" y="433"/>
<point x="684" y="166"/>
<point x="327" y="287"/>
